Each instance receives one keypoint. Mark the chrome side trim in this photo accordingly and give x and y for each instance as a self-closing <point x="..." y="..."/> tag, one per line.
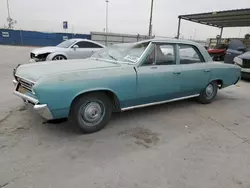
<point x="161" y="102"/>
<point x="25" y="97"/>
<point x="44" y="111"/>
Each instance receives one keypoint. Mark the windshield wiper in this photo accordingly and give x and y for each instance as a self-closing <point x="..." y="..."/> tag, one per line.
<point x="112" y="57"/>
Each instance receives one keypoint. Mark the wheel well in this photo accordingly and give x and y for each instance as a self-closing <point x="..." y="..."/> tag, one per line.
<point x="219" y="82"/>
<point x="114" y="99"/>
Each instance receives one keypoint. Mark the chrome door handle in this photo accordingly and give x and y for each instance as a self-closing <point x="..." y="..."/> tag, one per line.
<point x="177" y="72"/>
<point x="207" y="70"/>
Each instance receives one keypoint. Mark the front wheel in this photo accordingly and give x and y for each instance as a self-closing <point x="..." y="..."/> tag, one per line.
<point x="91" y="112"/>
<point x="59" y="57"/>
<point x="209" y="93"/>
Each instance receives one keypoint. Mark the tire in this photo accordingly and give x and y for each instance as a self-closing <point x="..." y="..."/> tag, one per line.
<point x="209" y="93"/>
<point x="91" y="112"/>
<point x="59" y="57"/>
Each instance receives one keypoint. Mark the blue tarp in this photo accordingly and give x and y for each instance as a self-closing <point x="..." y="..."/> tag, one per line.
<point x="34" y="38"/>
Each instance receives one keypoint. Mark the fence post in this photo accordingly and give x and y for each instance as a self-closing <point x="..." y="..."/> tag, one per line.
<point x="21" y="36"/>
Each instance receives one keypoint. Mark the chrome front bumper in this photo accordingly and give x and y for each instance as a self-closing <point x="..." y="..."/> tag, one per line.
<point x="41" y="109"/>
<point x="44" y="111"/>
<point x="35" y="60"/>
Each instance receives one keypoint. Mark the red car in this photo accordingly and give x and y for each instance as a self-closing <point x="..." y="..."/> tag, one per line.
<point x="218" y="52"/>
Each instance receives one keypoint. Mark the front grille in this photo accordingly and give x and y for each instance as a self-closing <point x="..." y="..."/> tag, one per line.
<point x="42" y="57"/>
<point x="246" y="63"/>
<point x="39" y="57"/>
<point x="26" y="84"/>
<point x="32" y="56"/>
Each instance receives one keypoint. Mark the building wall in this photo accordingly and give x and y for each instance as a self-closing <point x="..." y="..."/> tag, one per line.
<point x="114" y="38"/>
<point x="34" y="38"/>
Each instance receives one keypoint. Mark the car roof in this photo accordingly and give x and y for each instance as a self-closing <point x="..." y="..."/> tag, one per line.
<point x="79" y="40"/>
<point x="169" y="40"/>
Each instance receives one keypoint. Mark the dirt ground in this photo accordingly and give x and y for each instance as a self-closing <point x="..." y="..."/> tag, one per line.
<point x="178" y="145"/>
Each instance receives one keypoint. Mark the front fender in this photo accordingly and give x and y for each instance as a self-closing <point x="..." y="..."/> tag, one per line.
<point x="95" y="90"/>
<point x="52" y="55"/>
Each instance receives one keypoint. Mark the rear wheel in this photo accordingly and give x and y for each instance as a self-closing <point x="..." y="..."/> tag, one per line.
<point x="209" y="93"/>
<point x="91" y="112"/>
<point x="59" y="57"/>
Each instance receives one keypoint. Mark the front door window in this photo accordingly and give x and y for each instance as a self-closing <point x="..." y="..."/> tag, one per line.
<point x="161" y="54"/>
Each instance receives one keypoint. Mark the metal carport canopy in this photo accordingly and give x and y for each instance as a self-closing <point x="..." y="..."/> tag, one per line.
<point x="220" y="19"/>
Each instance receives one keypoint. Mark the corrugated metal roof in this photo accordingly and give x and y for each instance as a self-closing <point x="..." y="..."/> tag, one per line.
<point x="228" y="18"/>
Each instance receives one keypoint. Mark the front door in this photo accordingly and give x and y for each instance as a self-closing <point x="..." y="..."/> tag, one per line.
<point x="195" y="71"/>
<point x="159" y="75"/>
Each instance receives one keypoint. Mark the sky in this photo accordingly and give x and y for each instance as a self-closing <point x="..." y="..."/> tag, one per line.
<point x="125" y="16"/>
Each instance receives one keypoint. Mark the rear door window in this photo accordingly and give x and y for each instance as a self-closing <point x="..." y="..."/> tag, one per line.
<point x="189" y="54"/>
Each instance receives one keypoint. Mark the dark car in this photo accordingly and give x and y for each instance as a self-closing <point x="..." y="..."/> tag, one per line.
<point x="235" y="48"/>
<point x="244" y="62"/>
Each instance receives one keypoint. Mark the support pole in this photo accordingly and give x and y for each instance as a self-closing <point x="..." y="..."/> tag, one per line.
<point x="107" y="7"/>
<point x="221" y="31"/>
<point x="179" y="27"/>
<point x="150" y="20"/>
<point x="8" y="8"/>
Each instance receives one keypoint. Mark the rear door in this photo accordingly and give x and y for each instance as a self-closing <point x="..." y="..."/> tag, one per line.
<point x="195" y="71"/>
<point x="233" y="51"/>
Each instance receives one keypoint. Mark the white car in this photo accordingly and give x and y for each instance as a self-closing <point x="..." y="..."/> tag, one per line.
<point x="69" y="49"/>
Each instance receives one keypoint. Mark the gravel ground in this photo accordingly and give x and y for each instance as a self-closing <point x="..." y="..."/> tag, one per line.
<point x="178" y="145"/>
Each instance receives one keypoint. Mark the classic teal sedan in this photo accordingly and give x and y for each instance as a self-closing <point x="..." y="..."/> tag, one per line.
<point x="122" y="77"/>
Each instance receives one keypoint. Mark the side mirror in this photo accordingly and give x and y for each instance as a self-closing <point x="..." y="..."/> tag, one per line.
<point x="241" y="49"/>
<point x="75" y="46"/>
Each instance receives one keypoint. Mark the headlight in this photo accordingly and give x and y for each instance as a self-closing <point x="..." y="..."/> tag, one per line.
<point x="238" y="61"/>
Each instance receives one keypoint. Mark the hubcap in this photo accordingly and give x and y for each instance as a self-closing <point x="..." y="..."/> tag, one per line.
<point x="92" y="113"/>
<point x="209" y="90"/>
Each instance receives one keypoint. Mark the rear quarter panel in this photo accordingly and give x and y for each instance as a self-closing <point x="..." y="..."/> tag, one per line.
<point x="229" y="74"/>
<point x="58" y="91"/>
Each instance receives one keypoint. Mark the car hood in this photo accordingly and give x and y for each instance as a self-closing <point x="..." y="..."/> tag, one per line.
<point x="246" y="55"/>
<point x="34" y="71"/>
<point x="48" y="49"/>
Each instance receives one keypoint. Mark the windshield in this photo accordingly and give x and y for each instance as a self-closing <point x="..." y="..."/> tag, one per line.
<point x="66" y="43"/>
<point x="127" y="52"/>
